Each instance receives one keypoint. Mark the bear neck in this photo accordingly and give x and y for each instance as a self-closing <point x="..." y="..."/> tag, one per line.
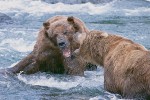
<point x="95" y="49"/>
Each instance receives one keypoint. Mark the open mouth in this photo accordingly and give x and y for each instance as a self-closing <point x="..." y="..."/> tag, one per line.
<point x="66" y="52"/>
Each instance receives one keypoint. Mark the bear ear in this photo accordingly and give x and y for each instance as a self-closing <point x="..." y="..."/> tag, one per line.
<point x="46" y="25"/>
<point x="80" y="37"/>
<point x="70" y="19"/>
<point x="75" y="25"/>
<point x="104" y="34"/>
<point x="99" y="34"/>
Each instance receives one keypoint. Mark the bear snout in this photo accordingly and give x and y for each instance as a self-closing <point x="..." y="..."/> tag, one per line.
<point x="62" y="44"/>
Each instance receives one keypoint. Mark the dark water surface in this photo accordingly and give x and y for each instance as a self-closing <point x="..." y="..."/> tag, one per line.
<point x="129" y="18"/>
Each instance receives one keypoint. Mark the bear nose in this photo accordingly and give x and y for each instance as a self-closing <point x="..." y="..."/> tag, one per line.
<point x="62" y="44"/>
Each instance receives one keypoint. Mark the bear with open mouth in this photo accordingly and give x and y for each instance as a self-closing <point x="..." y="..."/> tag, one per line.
<point x="52" y="51"/>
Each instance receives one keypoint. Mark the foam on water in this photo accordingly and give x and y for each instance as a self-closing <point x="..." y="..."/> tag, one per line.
<point x="137" y="11"/>
<point x="51" y="82"/>
<point x="18" y="44"/>
<point x="28" y="6"/>
<point x="23" y="8"/>
<point x="12" y="65"/>
<point x="2" y="48"/>
<point x="107" y="96"/>
<point x="91" y="80"/>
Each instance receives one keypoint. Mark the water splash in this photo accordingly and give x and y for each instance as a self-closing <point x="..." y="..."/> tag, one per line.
<point x="50" y="81"/>
<point x="138" y="11"/>
<point x="18" y="44"/>
<point x="27" y="6"/>
<point x="91" y="80"/>
<point x="108" y="96"/>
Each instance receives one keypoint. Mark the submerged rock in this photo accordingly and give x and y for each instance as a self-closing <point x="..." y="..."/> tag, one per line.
<point x="76" y="1"/>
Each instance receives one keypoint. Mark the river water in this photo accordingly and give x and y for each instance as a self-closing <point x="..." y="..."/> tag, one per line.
<point x="129" y="18"/>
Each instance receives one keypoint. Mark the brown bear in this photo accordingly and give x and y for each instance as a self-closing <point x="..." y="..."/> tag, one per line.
<point x="126" y="64"/>
<point x="47" y="55"/>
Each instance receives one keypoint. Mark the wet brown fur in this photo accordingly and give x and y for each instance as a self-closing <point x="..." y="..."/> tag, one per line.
<point x="46" y="55"/>
<point x="126" y="64"/>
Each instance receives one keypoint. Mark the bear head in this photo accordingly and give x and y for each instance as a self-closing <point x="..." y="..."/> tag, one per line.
<point x="61" y="33"/>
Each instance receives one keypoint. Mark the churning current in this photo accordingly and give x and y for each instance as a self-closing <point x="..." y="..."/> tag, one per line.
<point x="20" y="21"/>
